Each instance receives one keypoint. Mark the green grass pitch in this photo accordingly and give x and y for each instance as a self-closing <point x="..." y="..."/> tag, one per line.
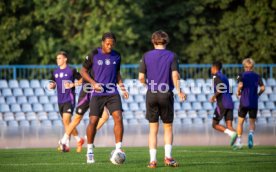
<point x="207" y="159"/>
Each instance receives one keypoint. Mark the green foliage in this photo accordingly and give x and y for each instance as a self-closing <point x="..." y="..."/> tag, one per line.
<point x="201" y="31"/>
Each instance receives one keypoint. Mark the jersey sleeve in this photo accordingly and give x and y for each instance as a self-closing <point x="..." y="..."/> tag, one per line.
<point x="52" y="76"/>
<point x="260" y="82"/>
<point x="76" y="74"/>
<point x="239" y="78"/>
<point x="88" y="62"/>
<point x="174" y="65"/>
<point x="142" y="66"/>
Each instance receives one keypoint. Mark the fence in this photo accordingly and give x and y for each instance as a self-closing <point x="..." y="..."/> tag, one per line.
<point x="131" y="71"/>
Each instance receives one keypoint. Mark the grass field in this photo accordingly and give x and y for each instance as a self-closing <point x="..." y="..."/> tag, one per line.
<point x="207" y="159"/>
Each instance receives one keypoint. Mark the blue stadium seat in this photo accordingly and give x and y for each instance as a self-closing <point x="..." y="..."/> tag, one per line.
<point x="271" y="82"/>
<point x="234" y="98"/>
<point x="268" y="90"/>
<point x="266" y="113"/>
<point x="43" y="83"/>
<point x="37" y="107"/>
<point x="186" y="106"/>
<point x="53" y="115"/>
<point x="32" y="99"/>
<point x="261" y="105"/>
<point x="43" y="99"/>
<point x="190" y="82"/>
<point x="28" y="92"/>
<point x="196" y="106"/>
<point x="186" y="121"/>
<point x="19" y="116"/>
<point x="15" y="108"/>
<point x="270" y="105"/>
<point x="180" y="114"/>
<point x="42" y="116"/>
<point x="21" y="100"/>
<point x="236" y="105"/>
<point x="139" y="114"/>
<point x="133" y="106"/>
<point x="3" y="84"/>
<point x="133" y="121"/>
<point x="13" y="84"/>
<point x="200" y="82"/>
<point x="34" y="123"/>
<point x="6" y="92"/>
<point x="197" y="121"/>
<point x="186" y="90"/>
<point x="12" y="124"/>
<point x="46" y="123"/>
<point x="232" y="82"/>
<point x="2" y="100"/>
<point x="263" y="97"/>
<point x="39" y="92"/>
<point x="128" y="115"/>
<point x="207" y="106"/>
<point x="11" y="100"/>
<point x="24" y="83"/>
<point x="191" y="114"/>
<point x="142" y="106"/>
<point x="202" y="113"/>
<point x="4" y="108"/>
<point x="196" y="90"/>
<point x="177" y="106"/>
<point x="57" y="123"/>
<point x="35" y="84"/>
<point x="8" y="116"/>
<point x="129" y="100"/>
<point x="53" y="99"/>
<point x="261" y="120"/>
<point x="3" y="124"/>
<point x="201" y="98"/>
<point x="30" y="116"/>
<point x="191" y="98"/>
<point x="139" y="98"/>
<point x="17" y="92"/>
<point x="26" y="107"/>
<point x="48" y="107"/>
<point x="24" y="123"/>
<point x="125" y="106"/>
<point x="272" y="97"/>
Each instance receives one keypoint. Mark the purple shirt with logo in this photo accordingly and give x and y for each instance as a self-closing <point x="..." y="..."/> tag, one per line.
<point x="104" y="70"/>
<point x="61" y="76"/>
<point x="158" y="65"/>
<point x="249" y="92"/>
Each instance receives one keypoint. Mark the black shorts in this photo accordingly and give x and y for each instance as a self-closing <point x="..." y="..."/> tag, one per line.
<point x="83" y="102"/>
<point x="65" y="108"/>
<point x="252" y="112"/>
<point x="220" y="113"/>
<point x="160" y="104"/>
<point x="112" y="103"/>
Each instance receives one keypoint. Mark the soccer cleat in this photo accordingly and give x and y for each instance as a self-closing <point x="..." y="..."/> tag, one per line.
<point x="250" y="141"/>
<point x="233" y="139"/>
<point x="170" y="162"/>
<point x="65" y="148"/>
<point x="90" y="158"/>
<point x="237" y="146"/>
<point x="152" y="164"/>
<point x="79" y="145"/>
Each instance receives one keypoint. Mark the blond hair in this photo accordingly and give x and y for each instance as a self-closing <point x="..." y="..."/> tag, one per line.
<point x="160" y="38"/>
<point x="248" y="63"/>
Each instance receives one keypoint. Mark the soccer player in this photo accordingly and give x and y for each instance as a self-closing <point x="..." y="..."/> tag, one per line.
<point x="160" y="68"/>
<point x="104" y="64"/>
<point x="248" y="83"/>
<point x="224" y="101"/>
<point x="64" y="79"/>
<point x="82" y="107"/>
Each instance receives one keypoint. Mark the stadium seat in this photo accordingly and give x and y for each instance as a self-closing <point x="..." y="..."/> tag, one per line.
<point x="271" y="82"/>
<point x="128" y="115"/>
<point x="42" y="116"/>
<point x="35" y="84"/>
<point x="191" y="114"/>
<point x="207" y="106"/>
<point x="191" y="98"/>
<point x="139" y="98"/>
<point x="3" y="124"/>
<point x="180" y="114"/>
<point x="21" y="100"/>
<point x="196" y="106"/>
<point x="53" y="115"/>
<point x="270" y="105"/>
<point x="236" y="105"/>
<point x="201" y="98"/>
<point x="2" y="100"/>
<point x="177" y="106"/>
<point x="43" y="99"/>
<point x="12" y="124"/>
<point x="48" y="107"/>
<point x="272" y="97"/>
<point x="197" y="121"/>
<point x="142" y="106"/>
<point x="15" y="107"/>
<point x="3" y="84"/>
<point x="4" y="108"/>
<point x="32" y="99"/>
<point x="209" y="81"/>
<point x="266" y="113"/>
<point x="186" y="121"/>
<point x="24" y="123"/>
<point x="30" y="116"/>
<point x="234" y="98"/>
<point x="261" y="105"/>
<point x="26" y="107"/>
<point x="202" y="113"/>
<point x="271" y="121"/>
<point x="56" y="107"/>
<point x="17" y="92"/>
<point x="129" y="100"/>
<point x="190" y="82"/>
<point x="13" y="84"/>
<point x="133" y="106"/>
<point x="53" y="99"/>
<point x="6" y="92"/>
<point x="186" y="90"/>
<point x="19" y="116"/>
<point x="268" y="90"/>
<point x="46" y="123"/>
<point x="133" y="121"/>
<point x="28" y="92"/>
<point x="34" y="123"/>
<point x="11" y="100"/>
<point x="263" y="98"/>
<point x="39" y="92"/>
<point x="43" y="83"/>
<point x="261" y="120"/>
<point x="196" y="90"/>
<point x="186" y="106"/>
<point x="57" y="123"/>
<point x="134" y="90"/>
<point x="125" y="106"/>
<point x="200" y="82"/>
<point x="8" y="116"/>
<point x="24" y="83"/>
<point x="37" y="107"/>
<point x="140" y="114"/>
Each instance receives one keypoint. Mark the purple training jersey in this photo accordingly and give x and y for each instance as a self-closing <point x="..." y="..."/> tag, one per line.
<point x="249" y="92"/>
<point x="221" y="85"/>
<point x="61" y="76"/>
<point x="104" y="70"/>
<point x="158" y="65"/>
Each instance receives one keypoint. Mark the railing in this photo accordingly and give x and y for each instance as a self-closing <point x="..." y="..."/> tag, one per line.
<point x="131" y="71"/>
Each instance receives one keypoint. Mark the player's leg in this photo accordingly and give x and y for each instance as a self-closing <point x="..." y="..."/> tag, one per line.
<point x="103" y="119"/>
<point x="66" y="118"/>
<point x="252" y="121"/>
<point x="118" y="128"/>
<point x="230" y="130"/>
<point x="241" y="118"/>
<point x="153" y="131"/>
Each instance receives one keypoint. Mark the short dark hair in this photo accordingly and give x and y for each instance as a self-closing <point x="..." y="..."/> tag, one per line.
<point x="217" y="64"/>
<point x="109" y="35"/>
<point x="160" y="38"/>
<point x="65" y="54"/>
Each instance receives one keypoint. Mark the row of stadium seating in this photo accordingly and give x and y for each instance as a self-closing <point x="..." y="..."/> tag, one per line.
<point x="25" y="103"/>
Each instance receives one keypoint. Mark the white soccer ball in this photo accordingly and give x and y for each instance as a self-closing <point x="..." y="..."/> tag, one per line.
<point x="117" y="157"/>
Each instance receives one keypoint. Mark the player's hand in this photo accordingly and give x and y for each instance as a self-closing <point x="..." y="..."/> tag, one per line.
<point x="238" y="94"/>
<point x="68" y="85"/>
<point x="182" y="96"/>
<point x="212" y="99"/>
<point x="98" y="87"/>
<point x="125" y="94"/>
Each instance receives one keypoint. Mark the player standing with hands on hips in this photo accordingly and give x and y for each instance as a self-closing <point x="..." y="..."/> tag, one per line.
<point x="159" y="70"/>
<point x="104" y="63"/>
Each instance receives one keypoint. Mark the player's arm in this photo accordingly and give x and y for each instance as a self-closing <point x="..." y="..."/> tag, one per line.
<point x="262" y="87"/>
<point x="121" y="85"/>
<point x="52" y="83"/>
<point x="240" y="85"/>
<point x="142" y="71"/>
<point x="176" y="79"/>
<point x="78" y="82"/>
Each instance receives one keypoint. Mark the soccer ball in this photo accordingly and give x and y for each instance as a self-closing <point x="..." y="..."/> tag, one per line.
<point x="117" y="157"/>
